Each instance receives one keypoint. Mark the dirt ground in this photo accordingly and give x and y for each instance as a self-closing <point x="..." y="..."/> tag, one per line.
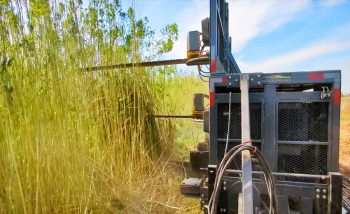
<point x="345" y="136"/>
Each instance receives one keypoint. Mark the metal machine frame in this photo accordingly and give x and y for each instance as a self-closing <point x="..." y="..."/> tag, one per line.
<point x="319" y="193"/>
<point x="316" y="192"/>
<point x="221" y="59"/>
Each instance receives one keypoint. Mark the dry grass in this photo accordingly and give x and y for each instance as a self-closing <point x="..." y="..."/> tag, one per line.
<point x="345" y="136"/>
<point x="72" y="142"/>
<point x="177" y="99"/>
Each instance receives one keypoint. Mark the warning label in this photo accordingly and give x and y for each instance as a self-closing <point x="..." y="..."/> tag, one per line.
<point x="278" y="78"/>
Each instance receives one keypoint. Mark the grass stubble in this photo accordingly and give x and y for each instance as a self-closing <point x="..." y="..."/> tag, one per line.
<point x="344" y="154"/>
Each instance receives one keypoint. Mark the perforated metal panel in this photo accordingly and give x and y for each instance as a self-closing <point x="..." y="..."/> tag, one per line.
<point x="303" y="159"/>
<point x="235" y="125"/>
<point x="303" y="121"/>
<point x="307" y="123"/>
<point x="235" y="129"/>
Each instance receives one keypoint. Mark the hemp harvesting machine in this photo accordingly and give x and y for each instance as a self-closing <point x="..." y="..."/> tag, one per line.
<point x="273" y="142"/>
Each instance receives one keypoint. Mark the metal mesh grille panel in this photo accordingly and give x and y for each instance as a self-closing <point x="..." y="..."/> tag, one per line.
<point x="346" y="193"/>
<point x="237" y="163"/>
<point x="303" y="121"/>
<point x="304" y="159"/>
<point x="235" y="124"/>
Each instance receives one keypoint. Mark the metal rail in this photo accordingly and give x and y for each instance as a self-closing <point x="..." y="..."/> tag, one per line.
<point x="137" y="64"/>
<point x="323" y="177"/>
<point x="173" y="116"/>
<point x="202" y="60"/>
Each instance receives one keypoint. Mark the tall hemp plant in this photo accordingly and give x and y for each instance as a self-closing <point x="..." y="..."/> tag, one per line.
<point x="71" y="141"/>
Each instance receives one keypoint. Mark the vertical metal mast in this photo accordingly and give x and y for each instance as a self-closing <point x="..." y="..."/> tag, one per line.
<point x="213" y="34"/>
<point x="247" y="185"/>
<point x="221" y="59"/>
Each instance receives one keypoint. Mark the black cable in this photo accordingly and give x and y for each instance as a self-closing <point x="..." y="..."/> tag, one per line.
<point x="224" y="160"/>
<point x="204" y="72"/>
<point x="222" y="169"/>
<point x="218" y="183"/>
<point x="202" y="78"/>
<point x="203" y="75"/>
<point x="201" y="70"/>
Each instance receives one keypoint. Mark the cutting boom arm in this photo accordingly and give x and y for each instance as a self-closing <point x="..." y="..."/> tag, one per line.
<point x="137" y="64"/>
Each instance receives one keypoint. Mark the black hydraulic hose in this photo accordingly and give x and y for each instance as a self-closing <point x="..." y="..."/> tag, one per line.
<point x="212" y="205"/>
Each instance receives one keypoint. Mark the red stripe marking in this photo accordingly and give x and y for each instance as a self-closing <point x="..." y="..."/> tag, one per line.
<point x="224" y="79"/>
<point x="336" y="94"/>
<point x="315" y="76"/>
<point x="211" y="98"/>
<point x="213" y="66"/>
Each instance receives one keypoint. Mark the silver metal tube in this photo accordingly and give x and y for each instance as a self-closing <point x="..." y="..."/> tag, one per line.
<point x="323" y="177"/>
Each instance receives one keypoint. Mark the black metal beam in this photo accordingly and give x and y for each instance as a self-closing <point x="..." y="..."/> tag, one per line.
<point x="137" y="64"/>
<point x="173" y="116"/>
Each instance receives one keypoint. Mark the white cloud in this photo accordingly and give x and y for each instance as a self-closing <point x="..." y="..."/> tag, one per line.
<point x="311" y="57"/>
<point x="304" y="58"/>
<point x="331" y="3"/>
<point x="249" y="19"/>
<point x="188" y="19"/>
<point x="290" y="60"/>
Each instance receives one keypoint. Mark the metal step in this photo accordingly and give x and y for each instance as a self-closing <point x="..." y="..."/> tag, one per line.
<point x="191" y="187"/>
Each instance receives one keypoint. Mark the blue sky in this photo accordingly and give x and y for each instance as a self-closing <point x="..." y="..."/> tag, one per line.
<point x="267" y="36"/>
